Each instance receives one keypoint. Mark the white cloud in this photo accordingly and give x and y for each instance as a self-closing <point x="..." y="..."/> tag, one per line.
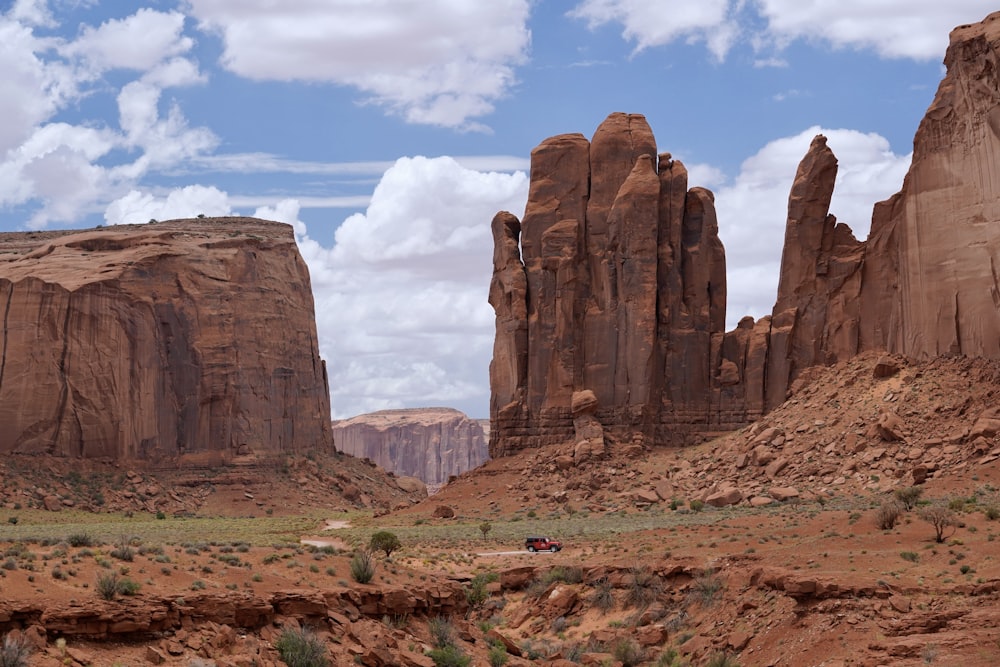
<point x="401" y="297"/>
<point x="915" y="29"/>
<point x="440" y="62"/>
<point x="137" y="42"/>
<point x="753" y="209"/>
<point x="138" y="207"/>
<point x="651" y="24"/>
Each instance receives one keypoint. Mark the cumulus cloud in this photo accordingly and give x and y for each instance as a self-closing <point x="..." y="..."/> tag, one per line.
<point x="68" y="171"/>
<point x="188" y="202"/>
<point x="137" y="42"/>
<point x="439" y="62"/>
<point x="915" y="29"/>
<point x="401" y="296"/>
<point x="752" y="209"/>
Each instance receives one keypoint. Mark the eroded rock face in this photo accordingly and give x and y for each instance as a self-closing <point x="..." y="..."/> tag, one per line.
<point x="189" y="342"/>
<point x="430" y="444"/>
<point x="622" y="287"/>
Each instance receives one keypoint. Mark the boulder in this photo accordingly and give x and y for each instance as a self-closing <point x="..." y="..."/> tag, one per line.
<point x="444" y="512"/>
<point x="724" y="498"/>
<point x="783" y="493"/>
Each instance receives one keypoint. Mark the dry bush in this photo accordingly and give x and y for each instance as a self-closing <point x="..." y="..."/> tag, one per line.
<point x="941" y="517"/>
<point x="888" y="514"/>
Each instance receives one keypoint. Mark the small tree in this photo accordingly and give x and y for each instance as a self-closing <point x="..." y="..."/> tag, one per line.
<point x="941" y="517"/>
<point x="385" y="541"/>
<point x="362" y="567"/>
<point x="485" y="527"/>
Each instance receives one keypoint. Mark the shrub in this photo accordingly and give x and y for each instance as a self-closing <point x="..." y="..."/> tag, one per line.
<point x="696" y="505"/>
<point x="476" y="593"/>
<point x="385" y="541"/>
<point x="449" y="656"/>
<point x="992" y="513"/>
<point x="301" y="648"/>
<point x="908" y="497"/>
<point x="941" y="517"/>
<point x="15" y="652"/>
<point x="603" y="596"/>
<point x="442" y="631"/>
<point x="107" y="585"/>
<point x="362" y="567"/>
<point x="497" y="655"/>
<point x="485" y="527"/>
<point x="124" y="550"/>
<point x="80" y="540"/>
<point x="705" y="588"/>
<point x="628" y="652"/>
<point x="110" y="585"/>
<point x="722" y="660"/>
<point x="911" y="556"/>
<point x="887" y="515"/>
<point x="643" y="586"/>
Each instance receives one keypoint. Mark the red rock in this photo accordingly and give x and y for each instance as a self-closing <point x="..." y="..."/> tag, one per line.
<point x="783" y="493"/>
<point x="179" y="342"/>
<point x="724" y="498"/>
<point x="890" y="427"/>
<point x="430" y="444"/>
<point x="885" y="367"/>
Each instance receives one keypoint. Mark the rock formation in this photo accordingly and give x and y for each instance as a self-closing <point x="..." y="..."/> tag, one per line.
<point x="615" y="282"/>
<point x="190" y="342"/>
<point x="430" y="444"/>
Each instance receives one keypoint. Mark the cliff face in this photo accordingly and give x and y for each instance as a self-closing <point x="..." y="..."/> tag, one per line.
<point x="430" y="444"/>
<point x="181" y="342"/>
<point x="615" y="282"/>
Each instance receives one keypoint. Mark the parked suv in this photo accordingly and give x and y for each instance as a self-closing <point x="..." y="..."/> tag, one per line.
<point x="535" y="543"/>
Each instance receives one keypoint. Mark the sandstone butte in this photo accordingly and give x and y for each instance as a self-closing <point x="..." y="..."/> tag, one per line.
<point x="431" y="444"/>
<point x="615" y="282"/>
<point x="181" y="343"/>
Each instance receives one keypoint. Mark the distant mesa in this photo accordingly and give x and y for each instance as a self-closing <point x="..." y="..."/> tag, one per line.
<point x="615" y="280"/>
<point x="180" y="343"/>
<point x="431" y="444"/>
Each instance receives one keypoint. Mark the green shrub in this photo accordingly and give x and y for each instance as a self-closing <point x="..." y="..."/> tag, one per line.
<point x="476" y="593"/>
<point x="15" y="652"/>
<point x="107" y="585"/>
<point x="497" y="655"/>
<point x="992" y="513"/>
<point x="362" y="567"/>
<point x="384" y="541"/>
<point x="628" y="652"/>
<point x="911" y="556"/>
<point x="485" y="527"/>
<point x="722" y="660"/>
<point x="449" y="656"/>
<point x="301" y="648"/>
<point x="696" y="505"/>
<point x="941" y="517"/>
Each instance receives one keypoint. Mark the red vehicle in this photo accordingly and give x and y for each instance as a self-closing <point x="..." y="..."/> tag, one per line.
<point x="536" y="543"/>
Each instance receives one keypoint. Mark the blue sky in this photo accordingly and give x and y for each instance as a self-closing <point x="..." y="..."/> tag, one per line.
<point x="390" y="131"/>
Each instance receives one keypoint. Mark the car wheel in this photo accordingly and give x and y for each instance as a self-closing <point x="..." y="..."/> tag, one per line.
<point x="531" y="549"/>
<point x="554" y="549"/>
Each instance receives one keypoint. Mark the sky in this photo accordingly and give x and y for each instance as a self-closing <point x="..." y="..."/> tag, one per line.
<point x="389" y="132"/>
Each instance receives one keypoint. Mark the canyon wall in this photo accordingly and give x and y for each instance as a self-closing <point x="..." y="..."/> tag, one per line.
<point x="615" y="280"/>
<point x="430" y="444"/>
<point x="189" y="342"/>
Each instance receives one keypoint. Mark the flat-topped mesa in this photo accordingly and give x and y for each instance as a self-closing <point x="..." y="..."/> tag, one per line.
<point x="622" y="287"/>
<point x="431" y="444"/>
<point x="189" y="342"/>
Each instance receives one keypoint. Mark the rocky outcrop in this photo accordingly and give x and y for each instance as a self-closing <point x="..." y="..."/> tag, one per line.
<point x="614" y="282"/>
<point x="430" y="444"/>
<point x="189" y="342"/>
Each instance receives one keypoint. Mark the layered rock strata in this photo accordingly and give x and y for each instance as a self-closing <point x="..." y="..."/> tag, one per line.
<point x="189" y="342"/>
<point x="614" y="282"/>
<point x="431" y="444"/>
